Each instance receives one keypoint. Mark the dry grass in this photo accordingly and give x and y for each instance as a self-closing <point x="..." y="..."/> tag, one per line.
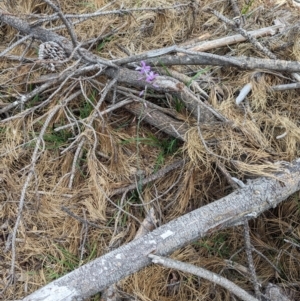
<point x="120" y="150"/>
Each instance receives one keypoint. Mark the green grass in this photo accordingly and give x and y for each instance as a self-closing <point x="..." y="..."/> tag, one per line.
<point x="55" y="140"/>
<point x="56" y="267"/>
<point x="34" y="101"/>
<point x="196" y="76"/>
<point x="101" y="45"/>
<point x="216" y="245"/>
<point x="87" y="106"/>
<point x="167" y="146"/>
<point x="246" y="8"/>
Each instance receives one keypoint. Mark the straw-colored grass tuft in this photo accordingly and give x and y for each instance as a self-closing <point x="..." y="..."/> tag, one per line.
<point x="71" y="185"/>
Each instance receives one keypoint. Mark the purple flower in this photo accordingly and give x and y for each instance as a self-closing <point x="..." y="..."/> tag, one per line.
<point x="144" y="69"/>
<point x="151" y="76"/>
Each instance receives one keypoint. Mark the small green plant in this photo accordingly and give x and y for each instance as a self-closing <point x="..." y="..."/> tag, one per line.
<point x="216" y="245"/>
<point x="179" y="104"/>
<point x="66" y="262"/>
<point x="54" y="140"/>
<point x="35" y="100"/>
<point x="101" y="45"/>
<point x="56" y="267"/>
<point x="246" y="8"/>
<point x="88" y="106"/>
<point x="196" y="76"/>
<point x="82" y="164"/>
<point x="167" y="146"/>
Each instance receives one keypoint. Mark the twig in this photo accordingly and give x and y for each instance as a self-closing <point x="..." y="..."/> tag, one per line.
<point x="190" y="82"/>
<point x="248" y="249"/>
<point x="14" y="45"/>
<point x="235" y="8"/>
<point x="31" y="172"/>
<point x="203" y="273"/>
<point x="266" y="259"/>
<point x="63" y="77"/>
<point x="88" y="124"/>
<point x="84" y="233"/>
<point x="65" y="21"/>
<point x="83" y="17"/>
<point x="100" y="114"/>
<point x="285" y="87"/>
<point x="82" y="220"/>
<point x="244" y="33"/>
<point x="242" y="62"/>
<point x="201" y="136"/>
<point x="114" y="204"/>
<point x="292" y="243"/>
<point x="228" y="177"/>
<point x="151" y="178"/>
<point x="148" y="224"/>
<point x="234" y="39"/>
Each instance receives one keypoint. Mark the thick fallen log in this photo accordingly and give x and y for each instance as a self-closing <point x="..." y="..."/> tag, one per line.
<point x="256" y="197"/>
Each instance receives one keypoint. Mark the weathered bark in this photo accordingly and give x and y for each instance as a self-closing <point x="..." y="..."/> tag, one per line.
<point x="256" y="197"/>
<point x="199" y="58"/>
<point x="158" y="119"/>
<point x="241" y="62"/>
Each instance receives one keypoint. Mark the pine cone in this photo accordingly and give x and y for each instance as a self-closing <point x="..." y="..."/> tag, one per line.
<point x="51" y="51"/>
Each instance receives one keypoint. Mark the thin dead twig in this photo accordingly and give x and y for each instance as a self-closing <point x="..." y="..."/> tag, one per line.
<point x="63" y="77"/>
<point x="243" y="32"/>
<point x="100" y="114"/>
<point x="65" y="21"/>
<point x="248" y="249"/>
<point x="203" y="273"/>
<point x="83" y="238"/>
<point x="31" y="172"/>
<point x="234" y="39"/>
<point x="83" y="17"/>
<point x="235" y="8"/>
<point x="186" y="80"/>
<point x="3" y="53"/>
<point x="88" y="124"/>
<point x="151" y="178"/>
<point x="83" y="220"/>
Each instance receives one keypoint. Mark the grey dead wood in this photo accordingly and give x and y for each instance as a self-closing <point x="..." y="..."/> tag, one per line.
<point x="197" y="58"/>
<point x="257" y="196"/>
<point x="241" y="62"/>
<point x="126" y="76"/>
<point x="203" y="273"/>
<point x="123" y="75"/>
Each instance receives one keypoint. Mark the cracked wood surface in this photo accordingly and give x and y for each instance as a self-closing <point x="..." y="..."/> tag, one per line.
<point x="256" y="197"/>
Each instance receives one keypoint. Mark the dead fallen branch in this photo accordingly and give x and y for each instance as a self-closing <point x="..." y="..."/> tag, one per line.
<point x="193" y="58"/>
<point x="242" y="62"/>
<point x="246" y="203"/>
<point x="234" y="39"/>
